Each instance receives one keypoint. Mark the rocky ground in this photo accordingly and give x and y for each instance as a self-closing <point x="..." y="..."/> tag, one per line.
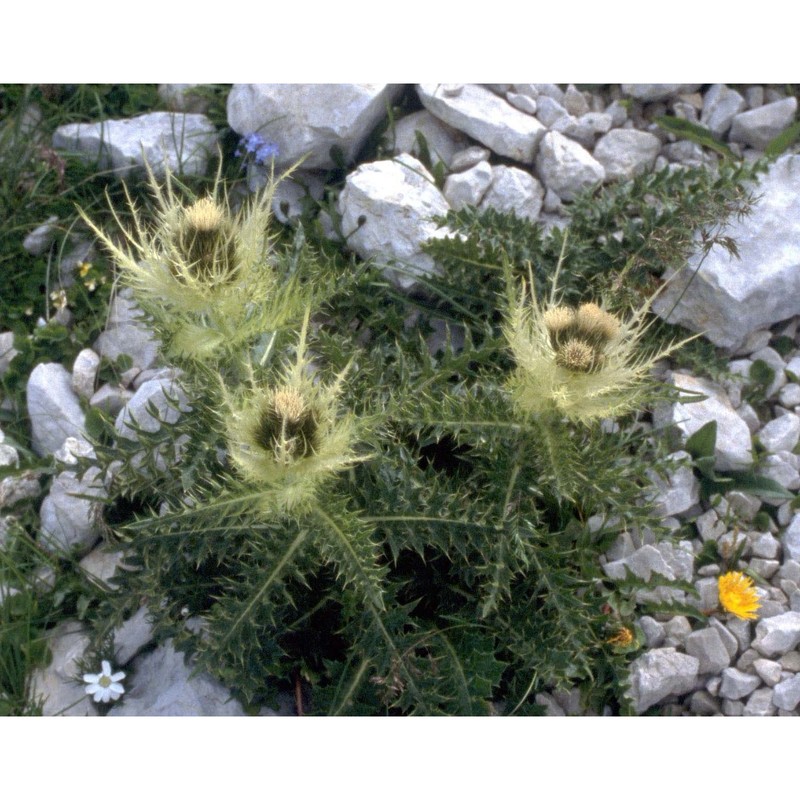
<point x="553" y="142"/>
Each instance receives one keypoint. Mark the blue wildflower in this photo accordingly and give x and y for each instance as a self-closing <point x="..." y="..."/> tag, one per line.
<point x="253" y="144"/>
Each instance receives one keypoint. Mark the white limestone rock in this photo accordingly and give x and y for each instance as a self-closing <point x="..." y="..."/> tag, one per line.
<point x="59" y="684"/>
<point x="660" y="673"/>
<point x="731" y="297"/>
<point x="778" y="634"/>
<point x="786" y="694"/>
<point x="387" y="210"/>
<point x="584" y="129"/>
<point x="53" y="408"/>
<point x="84" y="372"/>
<point x="130" y="637"/>
<point x="513" y="189"/>
<point x="625" y="153"/>
<point x="737" y="684"/>
<point x="707" y="647"/>
<point x="126" y="333"/>
<point x="162" y="685"/>
<point x="489" y="119"/>
<point x="185" y="142"/>
<point x="720" y="105"/>
<point x="468" y="188"/>
<point x="679" y="492"/>
<point x="468" y="157"/>
<point x="566" y="167"/>
<point x="70" y="523"/>
<point x="760" y="704"/>
<point x="781" y="433"/>
<point x="733" y="450"/>
<point x="791" y="539"/>
<point x="759" y="126"/>
<point x="7" y="351"/>
<point x="443" y="141"/>
<point x="38" y="241"/>
<point x="650" y="92"/>
<point x="164" y="396"/>
<point x="308" y="119"/>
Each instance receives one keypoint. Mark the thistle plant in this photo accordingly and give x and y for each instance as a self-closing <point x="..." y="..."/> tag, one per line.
<point x="583" y="362"/>
<point x="207" y="276"/>
<point x="288" y="437"/>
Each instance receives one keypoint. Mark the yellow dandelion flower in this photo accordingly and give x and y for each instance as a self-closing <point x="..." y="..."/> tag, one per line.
<point x="582" y="363"/>
<point x="738" y="595"/>
<point x="622" y="638"/>
<point x="290" y="438"/>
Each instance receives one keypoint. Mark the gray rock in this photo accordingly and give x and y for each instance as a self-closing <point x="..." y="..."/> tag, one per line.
<point x="650" y="92"/>
<point x="781" y="433"/>
<point x="111" y="399"/>
<point x="790" y="661"/>
<point x="707" y="647"/>
<point x="164" y="396"/>
<point x="679" y="557"/>
<point x="625" y="153"/>
<point x="71" y="523"/>
<point x="742" y="630"/>
<point x="53" y="408"/>
<point x="162" y="685"/>
<point x="707" y="594"/>
<point x="731" y="297"/>
<point x="679" y="492"/>
<point x="17" y="488"/>
<point x="7" y="351"/>
<point x="791" y="539"/>
<point x="487" y="118"/>
<point x="395" y="201"/>
<point x="181" y="97"/>
<point x="783" y="468"/>
<point x="575" y="102"/>
<point x="642" y="564"/>
<point x="130" y="637"/>
<point x="658" y="674"/>
<point x="765" y="545"/>
<point x="550" y="705"/>
<point x="720" y="106"/>
<point x="786" y="694"/>
<point x="653" y="630"/>
<point x="84" y="372"/>
<point x="703" y="704"/>
<point x="292" y="193"/>
<point x="760" y="704"/>
<point x="468" y="188"/>
<point x="8" y="456"/>
<point x="710" y="526"/>
<point x="522" y="102"/>
<point x="764" y="567"/>
<point x="773" y="360"/>
<point x="59" y="684"/>
<point x="737" y="684"/>
<point x="307" y="119"/>
<point x="768" y="671"/>
<point x="778" y="634"/>
<point x="789" y="395"/>
<point x="513" y="189"/>
<point x="759" y="126"/>
<point x="468" y="157"/>
<point x="745" y="506"/>
<point x="38" y="241"/>
<point x="550" y="111"/>
<point x="185" y="142"/>
<point x="442" y="140"/>
<point x="677" y="630"/>
<point x="733" y="446"/>
<point x="566" y="167"/>
<point x="127" y="333"/>
<point x="100" y="565"/>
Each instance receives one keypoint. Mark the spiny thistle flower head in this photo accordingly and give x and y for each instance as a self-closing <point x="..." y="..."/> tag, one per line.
<point x="204" y="273"/>
<point x="584" y="363"/>
<point x="738" y="595"/>
<point x="289" y="438"/>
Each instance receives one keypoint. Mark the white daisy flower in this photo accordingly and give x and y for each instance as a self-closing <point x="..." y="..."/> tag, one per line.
<point x="105" y="687"/>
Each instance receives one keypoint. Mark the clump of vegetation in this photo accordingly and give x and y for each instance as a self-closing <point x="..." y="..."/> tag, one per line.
<point x="386" y="503"/>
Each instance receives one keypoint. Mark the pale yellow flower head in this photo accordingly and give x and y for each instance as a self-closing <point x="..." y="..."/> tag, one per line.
<point x="291" y="437"/>
<point x="738" y="595"/>
<point x="205" y="274"/>
<point x="584" y="363"/>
